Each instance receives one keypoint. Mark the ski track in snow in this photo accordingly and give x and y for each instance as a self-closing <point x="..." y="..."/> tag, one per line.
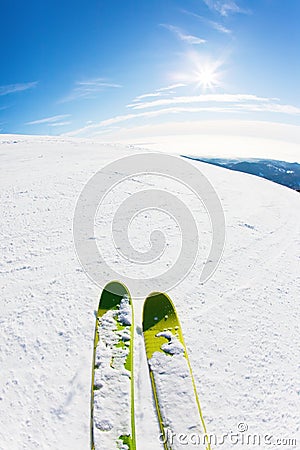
<point x="241" y="328"/>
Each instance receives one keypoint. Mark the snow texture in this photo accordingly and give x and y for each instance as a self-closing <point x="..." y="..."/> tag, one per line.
<point x="112" y="387"/>
<point x="175" y="393"/>
<point x="124" y="314"/>
<point x="241" y="328"/>
<point x="173" y="346"/>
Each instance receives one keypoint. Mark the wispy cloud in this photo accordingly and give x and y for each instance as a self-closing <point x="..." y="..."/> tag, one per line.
<point x="219" y="27"/>
<point x="49" y="120"/>
<point x="221" y="98"/>
<point x="18" y="87"/>
<point x="171" y="87"/>
<point x="124" y="118"/>
<point x="234" y="108"/>
<point x="271" y="107"/>
<point x="159" y="92"/>
<point x="243" y="104"/>
<point x="60" y="124"/>
<point x="225" y="7"/>
<point x="89" y="89"/>
<point x="188" y="38"/>
<point x="151" y="94"/>
<point x="215" y="25"/>
<point x="159" y="112"/>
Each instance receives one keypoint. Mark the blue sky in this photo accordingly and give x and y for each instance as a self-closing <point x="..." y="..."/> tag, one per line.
<point x="101" y="68"/>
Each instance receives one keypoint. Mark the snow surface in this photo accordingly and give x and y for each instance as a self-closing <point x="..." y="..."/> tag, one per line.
<point x="175" y="393"/>
<point x="241" y="328"/>
<point x="112" y="408"/>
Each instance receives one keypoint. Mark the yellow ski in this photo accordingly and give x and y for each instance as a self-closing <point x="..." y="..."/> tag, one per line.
<point x="174" y="390"/>
<point x="112" y="394"/>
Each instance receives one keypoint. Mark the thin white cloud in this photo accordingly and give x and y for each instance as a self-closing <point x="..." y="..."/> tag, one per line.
<point x="48" y="120"/>
<point x="271" y="107"/>
<point x="158" y="92"/>
<point x="88" y="89"/>
<point x="97" y="83"/>
<point x="219" y="27"/>
<point x="159" y="112"/>
<point x="188" y="38"/>
<point x="235" y="108"/>
<point x="147" y="114"/>
<point x="225" y="7"/>
<point x="151" y="94"/>
<point x="18" y="87"/>
<point x="215" y="25"/>
<point x="171" y="87"/>
<point x="59" y="124"/>
<point x="222" y="98"/>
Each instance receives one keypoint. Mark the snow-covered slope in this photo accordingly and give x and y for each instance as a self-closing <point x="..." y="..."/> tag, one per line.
<point x="241" y="327"/>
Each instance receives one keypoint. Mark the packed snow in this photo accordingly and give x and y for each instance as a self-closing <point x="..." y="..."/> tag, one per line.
<point x="176" y="395"/>
<point x="241" y="328"/>
<point x="112" y="386"/>
<point x="173" y="346"/>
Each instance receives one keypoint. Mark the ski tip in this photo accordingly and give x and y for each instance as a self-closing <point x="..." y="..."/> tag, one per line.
<point x="116" y="288"/>
<point x="158" y="309"/>
<point x="111" y="295"/>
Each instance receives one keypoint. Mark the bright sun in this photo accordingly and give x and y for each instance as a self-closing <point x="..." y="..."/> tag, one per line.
<point x="207" y="77"/>
<point x="202" y="72"/>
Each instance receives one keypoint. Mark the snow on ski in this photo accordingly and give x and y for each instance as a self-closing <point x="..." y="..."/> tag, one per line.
<point x="173" y="385"/>
<point x="112" y="402"/>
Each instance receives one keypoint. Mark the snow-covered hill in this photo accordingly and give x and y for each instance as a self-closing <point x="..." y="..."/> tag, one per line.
<point x="241" y="327"/>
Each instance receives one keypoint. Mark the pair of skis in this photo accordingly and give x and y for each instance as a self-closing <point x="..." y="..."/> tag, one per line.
<point x="112" y="396"/>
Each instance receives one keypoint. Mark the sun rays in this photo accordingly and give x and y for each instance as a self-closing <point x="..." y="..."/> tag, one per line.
<point x="202" y="72"/>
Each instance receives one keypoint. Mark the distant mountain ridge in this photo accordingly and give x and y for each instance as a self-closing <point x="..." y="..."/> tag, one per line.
<point x="281" y="172"/>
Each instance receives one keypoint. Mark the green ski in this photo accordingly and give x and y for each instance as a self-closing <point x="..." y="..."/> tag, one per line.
<point x="174" y="390"/>
<point x="112" y="394"/>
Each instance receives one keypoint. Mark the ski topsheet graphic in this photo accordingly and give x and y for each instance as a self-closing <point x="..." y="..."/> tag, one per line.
<point x="173" y="385"/>
<point x="112" y="399"/>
